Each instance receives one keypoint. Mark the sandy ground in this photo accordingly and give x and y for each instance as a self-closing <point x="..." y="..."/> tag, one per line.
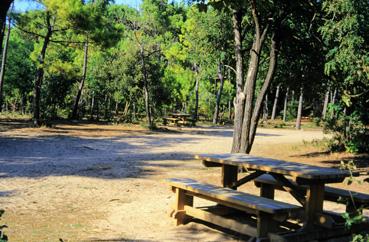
<point x="107" y="183"/>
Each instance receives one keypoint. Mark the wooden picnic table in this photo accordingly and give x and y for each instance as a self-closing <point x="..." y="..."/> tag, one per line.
<point x="179" y="119"/>
<point x="313" y="177"/>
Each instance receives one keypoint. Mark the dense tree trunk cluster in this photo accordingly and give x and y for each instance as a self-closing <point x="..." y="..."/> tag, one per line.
<point x="247" y="107"/>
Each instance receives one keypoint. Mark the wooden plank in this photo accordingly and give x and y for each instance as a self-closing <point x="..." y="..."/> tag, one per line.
<point x="181" y="200"/>
<point x="267" y="191"/>
<point x="246" y="179"/>
<point x="330" y="193"/>
<point x="224" y="203"/>
<point x="234" y="197"/>
<point x="313" y="205"/>
<point x="211" y="164"/>
<point x="290" y="187"/>
<point x="221" y="221"/>
<point x="265" y="225"/>
<point x="293" y="169"/>
<point x="229" y="175"/>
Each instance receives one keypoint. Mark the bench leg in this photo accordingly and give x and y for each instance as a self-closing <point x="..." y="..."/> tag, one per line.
<point x="181" y="200"/>
<point x="267" y="191"/>
<point x="265" y="225"/>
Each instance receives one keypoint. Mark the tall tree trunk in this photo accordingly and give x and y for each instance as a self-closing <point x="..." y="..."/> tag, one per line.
<point x="259" y="101"/>
<point x="265" y="109"/>
<point x="333" y="101"/>
<point x="92" y="106"/>
<point x="325" y="104"/>
<point x="275" y="103"/>
<point x="229" y="110"/>
<point x="116" y="108"/>
<point x="82" y="83"/>
<point x="2" y="33"/>
<point x="134" y="111"/>
<point x="4" y="7"/>
<point x="299" y="110"/>
<point x="146" y="89"/>
<point x="240" y="96"/>
<point x="285" y="105"/>
<point x="3" y="63"/>
<point x="197" y="87"/>
<point x="219" y="94"/>
<point x="97" y="103"/>
<point x="40" y="73"/>
<point x="249" y="115"/>
<point x="23" y="103"/>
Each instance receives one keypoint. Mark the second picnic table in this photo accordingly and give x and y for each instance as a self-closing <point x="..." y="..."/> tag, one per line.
<point x="178" y="119"/>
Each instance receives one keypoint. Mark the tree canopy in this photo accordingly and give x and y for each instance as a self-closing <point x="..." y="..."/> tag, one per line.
<point x="217" y="60"/>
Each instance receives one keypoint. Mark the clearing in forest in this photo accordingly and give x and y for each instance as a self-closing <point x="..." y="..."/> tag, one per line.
<point x="94" y="182"/>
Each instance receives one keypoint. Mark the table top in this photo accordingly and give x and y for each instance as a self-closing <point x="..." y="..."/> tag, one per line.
<point x="293" y="169"/>
<point x="180" y="115"/>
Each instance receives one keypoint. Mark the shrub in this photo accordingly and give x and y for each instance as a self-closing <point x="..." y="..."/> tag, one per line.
<point x="349" y="132"/>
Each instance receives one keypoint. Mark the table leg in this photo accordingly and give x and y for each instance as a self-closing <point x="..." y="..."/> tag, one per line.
<point x="314" y="204"/>
<point x="229" y="175"/>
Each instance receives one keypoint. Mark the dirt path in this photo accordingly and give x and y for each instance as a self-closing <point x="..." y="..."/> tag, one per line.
<point x="90" y="182"/>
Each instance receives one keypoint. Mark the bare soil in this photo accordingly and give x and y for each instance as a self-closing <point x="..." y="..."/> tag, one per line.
<point x="90" y="182"/>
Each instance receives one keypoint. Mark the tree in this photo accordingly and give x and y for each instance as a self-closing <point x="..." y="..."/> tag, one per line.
<point x="3" y="63"/>
<point x="4" y="7"/>
<point x="345" y="33"/>
<point x="94" y="25"/>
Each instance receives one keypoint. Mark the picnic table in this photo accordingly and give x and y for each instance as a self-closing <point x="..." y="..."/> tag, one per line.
<point x="306" y="183"/>
<point x="179" y="119"/>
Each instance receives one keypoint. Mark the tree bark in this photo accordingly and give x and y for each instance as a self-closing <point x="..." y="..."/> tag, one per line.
<point x="3" y="63"/>
<point x="325" y="104"/>
<point x="299" y="110"/>
<point x="333" y="101"/>
<point x="261" y="96"/>
<point x="249" y="88"/>
<point x="4" y="7"/>
<point x="219" y="93"/>
<point x="146" y="89"/>
<point x="274" y="110"/>
<point x="82" y="83"/>
<point x="285" y="105"/>
<point x="230" y="110"/>
<point x="265" y="109"/>
<point x="40" y="73"/>
<point x="197" y="86"/>
<point x="92" y="106"/>
<point x="116" y="108"/>
<point x="240" y="97"/>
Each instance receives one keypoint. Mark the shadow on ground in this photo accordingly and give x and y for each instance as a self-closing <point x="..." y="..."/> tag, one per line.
<point x="192" y="232"/>
<point x="220" y="132"/>
<point x="108" y="158"/>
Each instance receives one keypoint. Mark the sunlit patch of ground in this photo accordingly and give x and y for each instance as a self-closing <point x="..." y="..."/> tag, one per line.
<point x="90" y="181"/>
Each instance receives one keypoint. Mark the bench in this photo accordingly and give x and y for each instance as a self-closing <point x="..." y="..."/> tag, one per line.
<point x="266" y="211"/>
<point x="352" y="199"/>
<point x="169" y="120"/>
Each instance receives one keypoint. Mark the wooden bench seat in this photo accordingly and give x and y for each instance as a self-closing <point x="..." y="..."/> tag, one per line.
<point x="331" y="194"/>
<point x="169" y="120"/>
<point x="266" y="210"/>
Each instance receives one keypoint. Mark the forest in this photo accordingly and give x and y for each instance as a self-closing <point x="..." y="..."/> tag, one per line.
<point x="238" y="62"/>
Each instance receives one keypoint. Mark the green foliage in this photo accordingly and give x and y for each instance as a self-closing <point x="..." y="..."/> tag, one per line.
<point x="349" y="132"/>
<point x="357" y="216"/>
<point x="345" y="32"/>
<point x="330" y="35"/>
